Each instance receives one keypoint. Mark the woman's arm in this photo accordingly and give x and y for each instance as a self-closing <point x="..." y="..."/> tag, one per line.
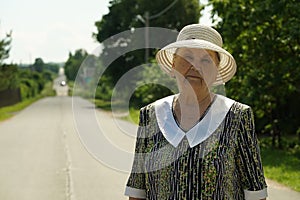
<point x="131" y="198"/>
<point x="248" y="160"/>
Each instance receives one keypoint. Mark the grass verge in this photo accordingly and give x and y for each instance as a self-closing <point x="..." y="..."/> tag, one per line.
<point x="9" y="111"/>
<point x="283" y="165"/>
<point x="106" y="106"/>
<point x="133" y="116"/>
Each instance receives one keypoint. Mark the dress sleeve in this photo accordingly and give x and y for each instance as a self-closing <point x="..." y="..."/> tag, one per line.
<point x="248" y="158"/>
<point x="135" y="186"/>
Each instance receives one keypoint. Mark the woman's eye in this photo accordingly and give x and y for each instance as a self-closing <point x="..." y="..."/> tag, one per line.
<point x="188" y="57"/>
<point x="205" y="60"/>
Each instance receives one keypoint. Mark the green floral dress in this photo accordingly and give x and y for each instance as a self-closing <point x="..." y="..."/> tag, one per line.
<point x="223" y="164"/>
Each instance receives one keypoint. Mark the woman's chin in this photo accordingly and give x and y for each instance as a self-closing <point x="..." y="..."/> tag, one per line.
<point x="197" y="84"/>
<point x="193" y="78"/>
<point x="195" y="81"/>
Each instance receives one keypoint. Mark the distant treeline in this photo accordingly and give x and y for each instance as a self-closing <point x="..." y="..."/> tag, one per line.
<point x="20" y="82"/>
<point x="23" y="82"/>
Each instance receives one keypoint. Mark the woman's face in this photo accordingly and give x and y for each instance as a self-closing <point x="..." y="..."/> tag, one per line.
<point x="195" y="67"/>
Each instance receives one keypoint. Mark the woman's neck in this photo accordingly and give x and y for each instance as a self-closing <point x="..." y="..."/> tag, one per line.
<point x="195" y="100"/>
<point x="189" y="110"/>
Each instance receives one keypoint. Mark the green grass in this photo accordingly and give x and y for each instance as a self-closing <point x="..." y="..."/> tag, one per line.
<point x="48" y="90"/>
<point x="9" y="111"/>
<point x="282" y="166"/>
<point x="133" y="116"/>
<point x="106" y="106"/>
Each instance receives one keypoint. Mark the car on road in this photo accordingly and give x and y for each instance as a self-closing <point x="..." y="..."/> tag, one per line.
<point x="63" y="83"/>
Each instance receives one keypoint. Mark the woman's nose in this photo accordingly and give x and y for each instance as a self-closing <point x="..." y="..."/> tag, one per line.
<point x="193" y="68"/>
<point x="196" y="64"/>
<point x="196" y="69"/>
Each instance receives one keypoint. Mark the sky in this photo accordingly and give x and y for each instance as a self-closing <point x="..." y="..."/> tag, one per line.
<point x="50" y="29"/>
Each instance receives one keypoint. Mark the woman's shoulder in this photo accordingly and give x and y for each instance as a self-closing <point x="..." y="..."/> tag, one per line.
<point x="148" y="112"/>
<point x="165" y="101"/>
<point x="235" y="104"/>
<point x="239" y="109"/>
<point x="241" y="106"/>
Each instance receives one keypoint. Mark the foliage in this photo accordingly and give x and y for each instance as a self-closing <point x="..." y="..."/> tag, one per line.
<point x="9" y="111"/>
<point x="8" y="73"/>
<point x="38" y="65"/>
<point x="30" y="83"/>
<point x="8" y="77"/>
<point x="123" y="16"/>
<point x="86" y="73"/>
<point x="282" y="165"/>
<point x="48" y="75"/>
<point x="133" y="116"/>
<point x="104" y="105"/>
<point x="5" y="47"/>
<point x="73" y="63"/>
<point x="155" y="84"/>
<point x="48" y="90"/>
<point x="33" y="78"/>
<point x="264" y="39"/>
<point x="104" y="88"/>
<point x="30" y="79"/>
<point x="52" y="67"/>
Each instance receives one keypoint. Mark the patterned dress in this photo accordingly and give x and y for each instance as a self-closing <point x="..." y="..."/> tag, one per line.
<point x="218" y="158"/>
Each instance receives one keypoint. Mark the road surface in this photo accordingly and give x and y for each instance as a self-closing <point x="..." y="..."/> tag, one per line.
<point x="42" y="157"/>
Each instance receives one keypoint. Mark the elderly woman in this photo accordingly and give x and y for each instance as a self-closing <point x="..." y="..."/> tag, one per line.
<point x="196" y="144"/>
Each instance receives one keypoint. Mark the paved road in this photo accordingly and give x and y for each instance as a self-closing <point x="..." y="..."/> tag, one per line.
<point x="279" y="192"/>
<point x="43" y="158"/>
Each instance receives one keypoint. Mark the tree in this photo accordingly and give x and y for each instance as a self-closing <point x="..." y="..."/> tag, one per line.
<point x="8" y="73"/>
<point x="53" y="67"/>
<point x="122" y="16"/>
<point x="39" y="65"/>
<point x="73" y="63"/>
<point x="5" y="47"/>
<point x="154" y="85"/>
<point x="264" y="39"/>
<point x="8" y="77"/>
<point x="12" y="77"/>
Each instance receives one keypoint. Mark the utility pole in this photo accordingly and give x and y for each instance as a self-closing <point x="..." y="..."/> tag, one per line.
<point x="146" y="20"/>
<point x="146" y="36"/>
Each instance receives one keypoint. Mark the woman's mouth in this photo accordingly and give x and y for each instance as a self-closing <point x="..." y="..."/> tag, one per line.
<point x="192" y="77"/>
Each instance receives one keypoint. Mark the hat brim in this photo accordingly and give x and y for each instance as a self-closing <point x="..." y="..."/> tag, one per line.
<point x="226" y="68"/>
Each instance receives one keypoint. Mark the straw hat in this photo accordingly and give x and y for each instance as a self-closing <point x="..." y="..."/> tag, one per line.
<point x="201" y="37"/>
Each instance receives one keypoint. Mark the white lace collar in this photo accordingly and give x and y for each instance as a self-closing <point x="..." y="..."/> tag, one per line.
<point x="201" y="131"/>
